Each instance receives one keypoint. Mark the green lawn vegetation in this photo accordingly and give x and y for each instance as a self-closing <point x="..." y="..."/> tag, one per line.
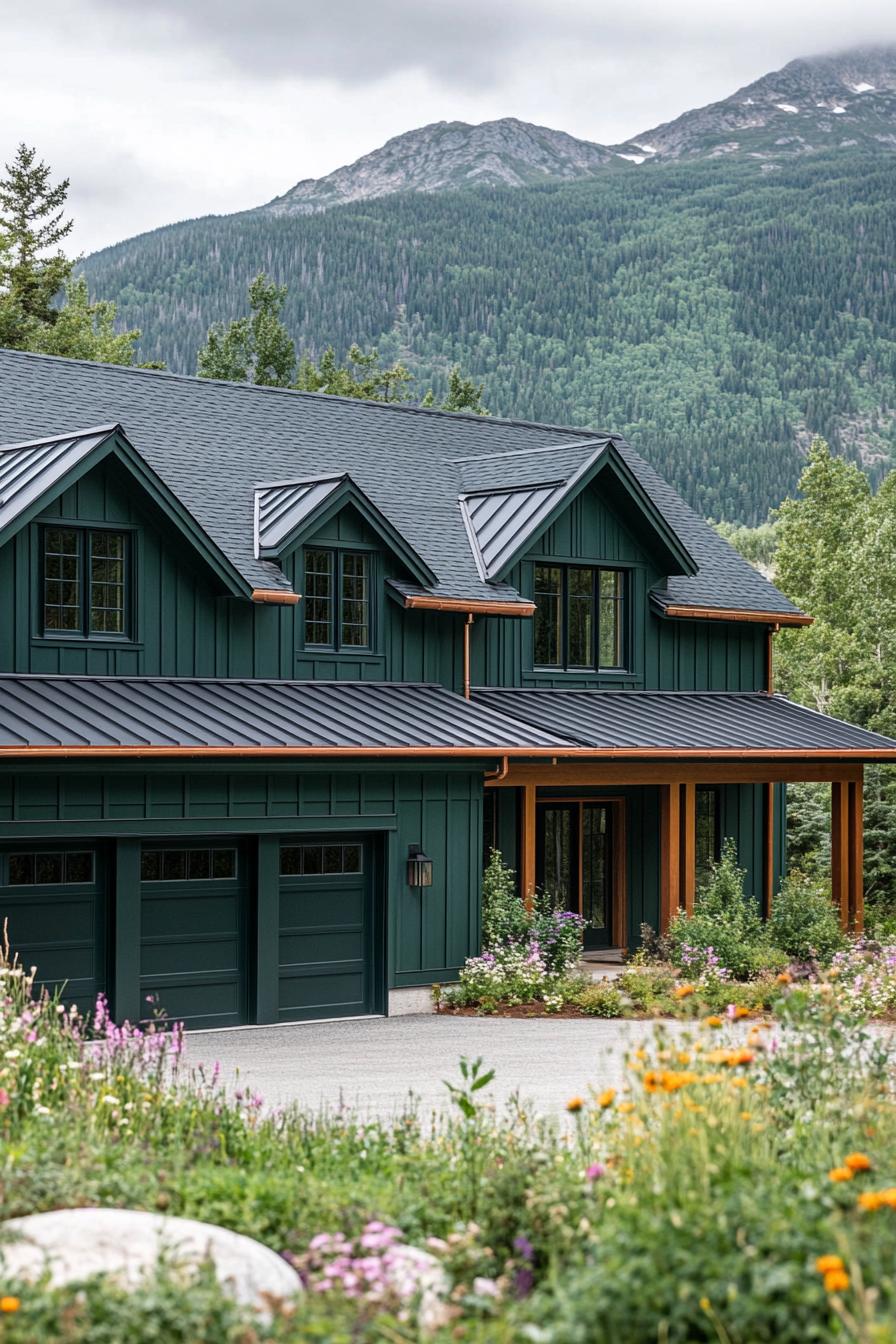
<point x="741" y="1187"/>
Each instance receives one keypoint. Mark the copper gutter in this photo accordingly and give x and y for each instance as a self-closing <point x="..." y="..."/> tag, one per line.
<point x="277" y="597"/>
<point x="468" y="607"/>
<point x="776" y="618"/>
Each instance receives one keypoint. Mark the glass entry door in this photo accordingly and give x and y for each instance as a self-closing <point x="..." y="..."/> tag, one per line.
<point x="574" y="863"/>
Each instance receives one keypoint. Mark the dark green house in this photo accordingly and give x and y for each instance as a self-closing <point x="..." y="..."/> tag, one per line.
<point x="276" y="669"/>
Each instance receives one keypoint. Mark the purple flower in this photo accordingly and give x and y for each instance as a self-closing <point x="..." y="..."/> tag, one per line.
<point x="595" y="1171"/>
<point x="524" y="1247"/>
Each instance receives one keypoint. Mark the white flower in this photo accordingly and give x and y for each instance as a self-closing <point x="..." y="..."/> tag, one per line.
<point x="109" y="1099"/>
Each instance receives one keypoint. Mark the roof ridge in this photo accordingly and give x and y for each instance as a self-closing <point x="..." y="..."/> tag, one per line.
<point x="225" y="681"/>
<point x="61" y="437"/>
<point x="598" y="439"/>
<point x="316" y="396"/>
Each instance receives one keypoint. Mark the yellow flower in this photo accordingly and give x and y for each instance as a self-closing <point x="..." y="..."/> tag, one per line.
<point x="683" y="1057"/>
<point x="683" y="991"/>
<point x="826" y="1264"/>
<point x="575" y="1104"/>
<point x="739" y="1082"/>
<point x="705" y="1304"/>
<point x="606" y="1098"/>
<point x="836" y="1281"/>
<point x="713" y="1021"/>
<point x="625" y="1107"/>
<point x="840" y="1174"/>
<point x="640" y="1053"/>
<point x="10" y="1303"/>
<point x="857" y="1162"/>
<point x="653" y="1080"/>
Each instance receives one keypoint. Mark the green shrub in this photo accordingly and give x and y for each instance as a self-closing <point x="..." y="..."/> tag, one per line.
<point x="803" y="921"/>
<point x="601" y="999"/>
<point x="648" y="987"/>
<point x="725" y="930"/>
<point x="504" y="916"/>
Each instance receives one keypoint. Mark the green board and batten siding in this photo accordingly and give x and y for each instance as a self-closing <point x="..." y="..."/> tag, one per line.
<point x="414" y="936"/>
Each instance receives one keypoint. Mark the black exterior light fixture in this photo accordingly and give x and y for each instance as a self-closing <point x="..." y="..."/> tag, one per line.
<point x="419" y="867"/>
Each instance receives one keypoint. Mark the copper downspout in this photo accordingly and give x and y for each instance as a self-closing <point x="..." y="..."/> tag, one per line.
<point x="467" y="623"/>
<point x="769" y="659"/>
<point x="495" y="776"/>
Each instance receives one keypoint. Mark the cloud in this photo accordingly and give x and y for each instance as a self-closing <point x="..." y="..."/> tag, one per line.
<point x="463" y="42"/>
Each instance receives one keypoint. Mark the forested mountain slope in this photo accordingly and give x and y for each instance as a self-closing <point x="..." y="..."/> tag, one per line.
<point x="716" y="315"/>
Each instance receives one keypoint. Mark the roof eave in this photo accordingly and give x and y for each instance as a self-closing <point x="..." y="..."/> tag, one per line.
<point x="683" y="611"/>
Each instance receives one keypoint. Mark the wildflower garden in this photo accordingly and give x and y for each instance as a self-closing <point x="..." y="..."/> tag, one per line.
<point x="740" y="1187"/>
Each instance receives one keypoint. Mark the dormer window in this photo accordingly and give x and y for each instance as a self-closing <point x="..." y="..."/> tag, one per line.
<point x="337" y="599"/>
<point x="85" y="582"/>
<point x="580" y="617"/>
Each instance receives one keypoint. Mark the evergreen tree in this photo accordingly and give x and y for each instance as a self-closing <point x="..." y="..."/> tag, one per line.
<point x="32" y="267"/>
<point x="33" y="271"/>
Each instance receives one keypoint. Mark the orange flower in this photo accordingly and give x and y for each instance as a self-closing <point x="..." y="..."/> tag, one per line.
<point x="836" y="1281"/>
<point x="626" y="1107"/>
<point x="742" y="1056"/>
<point x="713" y="1021"/>
<point x="784" y="978"/>
<point x="683" y="991"/>
<point x="606" y="1098"/>
<point x="683" y="1057"/>
<point x="878" y="1199"/>
<point x="840" y="1174"/>
<point x="827" y="1264"/>
<point x="10" y="1303"/>
<point x="740" y="1011"/>
<point x="857" y="1162"/>
<point x="739" y="1082"/>
<point x="653" y="1080"/>
<point x="575" y="1104"/>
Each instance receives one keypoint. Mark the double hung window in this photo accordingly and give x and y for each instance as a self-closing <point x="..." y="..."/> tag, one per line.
<point x="337" y="599"/>
<point x="85" y="582"/>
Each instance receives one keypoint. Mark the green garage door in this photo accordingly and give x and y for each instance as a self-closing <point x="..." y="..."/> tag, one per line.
<point x="53" y="900"/>
<point x="326" y="930"/>
<point x="193" y="933"/>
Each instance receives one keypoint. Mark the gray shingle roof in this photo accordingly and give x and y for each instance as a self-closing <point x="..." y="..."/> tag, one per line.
<point x="213" y="443"/>
<point x="160" y="713"/>
<point x="739" y="722"/>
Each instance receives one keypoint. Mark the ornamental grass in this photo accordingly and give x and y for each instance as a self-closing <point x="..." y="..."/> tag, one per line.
<point x="695" y="1202"/>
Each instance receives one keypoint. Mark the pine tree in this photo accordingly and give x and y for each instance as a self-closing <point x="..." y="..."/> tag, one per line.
<point x="33" y="224"/>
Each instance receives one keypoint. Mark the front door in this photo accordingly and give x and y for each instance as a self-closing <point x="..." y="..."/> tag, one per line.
<point x="574" y="863"/>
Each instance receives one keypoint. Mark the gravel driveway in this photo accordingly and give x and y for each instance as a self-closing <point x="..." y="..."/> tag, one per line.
<point x="374" y="1064"/>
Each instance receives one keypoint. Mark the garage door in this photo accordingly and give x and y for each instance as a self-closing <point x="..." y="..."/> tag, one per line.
<point x="53" y="900"/>
<point x="193" y="934"/>
<point x="326" y="930"/>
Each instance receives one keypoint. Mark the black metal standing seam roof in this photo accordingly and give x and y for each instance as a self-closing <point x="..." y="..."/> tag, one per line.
<point x="213" y="443"/>
<point x="684" y="721"/>
<point x="157" y="713"/>
<point x="29" y="470"/>
<point x="282" y="506"/>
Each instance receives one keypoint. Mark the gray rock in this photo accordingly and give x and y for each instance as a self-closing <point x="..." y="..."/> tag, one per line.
<point x="74" y="1244"/>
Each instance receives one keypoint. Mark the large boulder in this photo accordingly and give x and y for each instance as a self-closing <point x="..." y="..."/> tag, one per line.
<point x="74" y="1244"/>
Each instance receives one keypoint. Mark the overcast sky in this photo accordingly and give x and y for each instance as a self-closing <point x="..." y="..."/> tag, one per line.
<point x="163" y="111"/>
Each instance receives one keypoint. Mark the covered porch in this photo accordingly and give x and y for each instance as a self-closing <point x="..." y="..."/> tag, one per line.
<point x="654" y="760"/>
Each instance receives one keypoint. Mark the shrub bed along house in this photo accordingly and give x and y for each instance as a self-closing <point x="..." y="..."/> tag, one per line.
<point x="738" y="1189"/>
<point x="721" y="959"/>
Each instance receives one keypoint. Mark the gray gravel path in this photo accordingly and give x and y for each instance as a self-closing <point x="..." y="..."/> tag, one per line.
<point x="373" y="1065"/>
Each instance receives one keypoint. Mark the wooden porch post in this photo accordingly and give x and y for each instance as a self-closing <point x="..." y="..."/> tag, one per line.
<point x="840" y="850"/>
<point x="855" y="845"/>
<point x="670" y="852"/>
<point x="688" y="845"/>
<point x="768" y="856"/>
<point x="527" y="869"/>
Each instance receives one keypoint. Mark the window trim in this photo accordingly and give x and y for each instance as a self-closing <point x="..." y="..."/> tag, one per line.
<point x="338" y="555"/>
<point x="85" y="531"/>
<point x="595" y="667"/>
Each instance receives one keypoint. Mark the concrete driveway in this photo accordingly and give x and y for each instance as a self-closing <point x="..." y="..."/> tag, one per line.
<point x="373" y="1065"/>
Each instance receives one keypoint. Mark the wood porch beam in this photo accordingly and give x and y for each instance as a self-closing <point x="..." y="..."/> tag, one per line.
<point x="670" y="853"/>
<point x="688" y="845"/>
<point x="581" y="772"/>
<point x="855" y="846"/>
<point x="768" y="848"/>
<point x="527" y="846"/>
<point x="840" y="850"/>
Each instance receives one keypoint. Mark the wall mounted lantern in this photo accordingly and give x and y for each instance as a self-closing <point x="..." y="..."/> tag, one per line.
<point x="419" y="867"/>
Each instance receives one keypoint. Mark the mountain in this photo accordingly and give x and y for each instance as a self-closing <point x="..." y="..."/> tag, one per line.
<point x="843" y="101"/>
<point x="448" y="155"/>
<point x="718" y="314"/>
